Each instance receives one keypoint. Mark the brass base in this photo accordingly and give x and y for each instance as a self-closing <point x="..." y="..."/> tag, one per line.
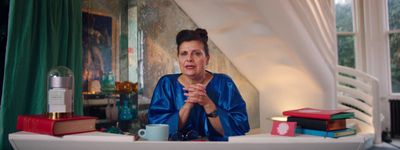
<point x="58" y="115"/>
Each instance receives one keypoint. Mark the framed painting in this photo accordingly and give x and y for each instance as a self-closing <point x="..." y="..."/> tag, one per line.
<point x="99" y="48"/>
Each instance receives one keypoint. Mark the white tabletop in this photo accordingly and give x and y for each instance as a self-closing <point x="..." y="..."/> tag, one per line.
<point x="298" y="138"/>
<point x="104" y="141"/>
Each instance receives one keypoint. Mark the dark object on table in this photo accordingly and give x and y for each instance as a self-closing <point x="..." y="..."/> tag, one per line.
<point x="386" y="136"/>
<point x="94" y="96"/>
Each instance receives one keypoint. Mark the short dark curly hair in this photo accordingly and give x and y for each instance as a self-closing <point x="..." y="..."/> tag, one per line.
<point x="190" y="35"/>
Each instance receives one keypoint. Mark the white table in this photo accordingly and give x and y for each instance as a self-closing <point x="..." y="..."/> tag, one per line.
<point x="103" y="141"/>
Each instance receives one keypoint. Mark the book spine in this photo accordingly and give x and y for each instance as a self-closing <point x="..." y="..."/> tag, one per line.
<point x="314" y="132"/>
<point x="37" y="125"/>
<point x="347" y="115"/>
<point x="309" y="123"/>
<point x="332" y="134"/>
<point x="344" y="133"/>
<point x="318" y="124"/>
<point x="315" y="116"/>
<point x="339" y="124"/>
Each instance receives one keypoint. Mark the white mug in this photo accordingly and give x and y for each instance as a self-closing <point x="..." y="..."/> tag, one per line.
<point x="155" y="132"/>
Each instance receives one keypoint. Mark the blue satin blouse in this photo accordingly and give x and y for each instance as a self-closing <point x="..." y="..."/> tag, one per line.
<point x="168" y="98"/>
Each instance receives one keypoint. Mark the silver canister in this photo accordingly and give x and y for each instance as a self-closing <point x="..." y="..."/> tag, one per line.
<point x="60" y="92"/>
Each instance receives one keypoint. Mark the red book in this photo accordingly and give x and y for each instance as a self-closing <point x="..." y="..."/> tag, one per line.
<point x="324" y="114"/>
<point x="58" y="127"/>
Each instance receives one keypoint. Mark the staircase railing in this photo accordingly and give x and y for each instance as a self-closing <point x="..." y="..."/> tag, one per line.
<point x="358" y="91"/>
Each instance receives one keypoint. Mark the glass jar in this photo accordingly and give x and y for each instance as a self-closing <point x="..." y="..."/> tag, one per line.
<point x="60" y="92"/>
<point x="125" y="116"/>
<point x="108" y="83"/>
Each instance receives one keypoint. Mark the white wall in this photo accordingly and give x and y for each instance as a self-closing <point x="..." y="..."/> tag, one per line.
<point x="271" y="48"/>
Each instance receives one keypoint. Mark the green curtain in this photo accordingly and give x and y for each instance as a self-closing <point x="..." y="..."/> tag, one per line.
<point x="42" y="34"/>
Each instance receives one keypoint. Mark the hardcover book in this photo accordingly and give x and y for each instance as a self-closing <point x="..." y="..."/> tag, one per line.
<point x="57" y="127"/>
<point x="324" y="114"/>
<point x="332" y="134"/>
<point x="319" y="124"/>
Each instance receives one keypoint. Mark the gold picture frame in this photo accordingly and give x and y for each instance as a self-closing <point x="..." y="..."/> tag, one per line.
<point x="99" y="46"/>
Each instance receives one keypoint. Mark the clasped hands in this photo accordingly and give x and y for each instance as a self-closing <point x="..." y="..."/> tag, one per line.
<point x="196" y="93"/>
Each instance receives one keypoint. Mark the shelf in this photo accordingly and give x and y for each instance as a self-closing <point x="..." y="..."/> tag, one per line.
<point x="98" y="102"/>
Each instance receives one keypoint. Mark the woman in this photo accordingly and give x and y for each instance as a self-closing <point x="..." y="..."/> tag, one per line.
<point x="197" y="102"/>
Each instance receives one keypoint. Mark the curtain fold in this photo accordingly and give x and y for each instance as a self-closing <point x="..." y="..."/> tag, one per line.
<point x="41" y="35"/>
<point x="320" y="16"/>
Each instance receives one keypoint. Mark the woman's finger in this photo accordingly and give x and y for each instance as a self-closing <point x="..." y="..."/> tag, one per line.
<point x="190" y="94"/>
<point x="198" y="86"/>
<point x="196" y="89"/>
<point x="191" y="100"/>
<point x="201" y="85"/>
<point x="199" y="94"/>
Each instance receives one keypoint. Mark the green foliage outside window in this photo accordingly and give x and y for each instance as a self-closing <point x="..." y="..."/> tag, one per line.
<point x="344" y="23"/>
<point x="344" y="17"/>
<point x="394" y="41"/>
<point x="346" y="50"/>
<point x="394" y="14"/>
<point x="395" y="61"/>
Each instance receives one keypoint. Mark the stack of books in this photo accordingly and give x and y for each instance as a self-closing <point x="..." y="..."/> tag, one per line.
<point x="320" y="122"/>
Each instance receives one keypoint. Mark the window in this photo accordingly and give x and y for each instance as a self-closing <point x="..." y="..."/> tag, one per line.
<point x="346" y="32"/>
<point x="393" y="15"/>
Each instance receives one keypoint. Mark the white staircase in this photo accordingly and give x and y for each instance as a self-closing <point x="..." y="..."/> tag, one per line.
<point x="359" y="92"/>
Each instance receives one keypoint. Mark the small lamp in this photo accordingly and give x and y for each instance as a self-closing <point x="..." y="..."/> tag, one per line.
<point x="279" y="118"/>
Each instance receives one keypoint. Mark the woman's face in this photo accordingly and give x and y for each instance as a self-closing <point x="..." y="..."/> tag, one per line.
<point x="192" y="58"/>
